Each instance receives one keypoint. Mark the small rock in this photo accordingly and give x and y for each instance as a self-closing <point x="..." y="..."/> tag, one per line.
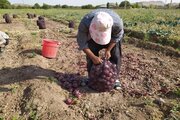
<point x="86" y="106"/>
<point x="109" y="110"/>
<point x="159" y="101"/>
<point x="80" y="111"/>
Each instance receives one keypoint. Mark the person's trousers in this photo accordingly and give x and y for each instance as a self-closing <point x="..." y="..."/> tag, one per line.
<point x="116" y="54"/>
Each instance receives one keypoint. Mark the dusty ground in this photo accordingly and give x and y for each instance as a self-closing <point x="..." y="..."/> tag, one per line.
<point x="28" y="89"/>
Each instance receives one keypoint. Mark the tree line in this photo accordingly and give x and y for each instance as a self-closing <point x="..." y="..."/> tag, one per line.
<point x="5" y="4"/>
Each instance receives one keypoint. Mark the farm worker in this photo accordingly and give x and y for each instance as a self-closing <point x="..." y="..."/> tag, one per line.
<point x="99" y="29"/>
<point x="4" y="40"/>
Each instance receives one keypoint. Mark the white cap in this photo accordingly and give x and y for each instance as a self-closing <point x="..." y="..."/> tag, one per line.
<point x="100" y="28"/>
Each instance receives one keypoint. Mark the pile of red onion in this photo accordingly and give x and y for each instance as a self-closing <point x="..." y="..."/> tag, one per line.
<point x="69" y="81"/>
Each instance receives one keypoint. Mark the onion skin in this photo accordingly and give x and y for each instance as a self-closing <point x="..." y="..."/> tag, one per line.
<point x="69" y="101"/>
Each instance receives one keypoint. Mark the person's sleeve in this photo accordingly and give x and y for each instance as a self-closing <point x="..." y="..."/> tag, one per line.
<point x="117" y="31"/>
<point x="82" y="36"/>
<point x="3" y="37"/>
<point x="2" y="40"/>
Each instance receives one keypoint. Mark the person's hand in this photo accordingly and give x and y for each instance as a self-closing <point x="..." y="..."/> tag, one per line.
<point x="97" y="60"/>
<point x="107" y="54"/>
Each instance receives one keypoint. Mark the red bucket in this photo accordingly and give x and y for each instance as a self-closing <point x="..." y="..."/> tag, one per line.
<point x="50" y="48"/>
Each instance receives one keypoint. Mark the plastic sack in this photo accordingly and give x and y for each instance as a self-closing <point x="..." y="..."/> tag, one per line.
<point x="103" y="76"/>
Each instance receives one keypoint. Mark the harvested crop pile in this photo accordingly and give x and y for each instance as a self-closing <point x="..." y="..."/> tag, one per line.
<point x="141" y="78"/>
<point x="30" y="16"/>
<point x="4" y="15"/>
<point x="40" y="18"/>
<point x="102" y="77"/>
<point x="15" y="16"/>
<point x="71" y="24"/>
<point x="70" y="82"/>
<point x="7" y="18"/>
<point x="41" y="22"/>
<point x="35" y="15"/>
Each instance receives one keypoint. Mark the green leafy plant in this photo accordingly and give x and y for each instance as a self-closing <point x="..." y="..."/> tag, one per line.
<point x="15" y="118"/>
<point x="33" y="115"/>
<point x="176" y="108"/>
<point x="177" y="92"/>
<point x="159" y="32"/>
<point x="34" y="33"/>
<point x="52" y="79"/>
<point x="32" y="55"/>
<point x="168" y="23"/>
<point x="14" y="88"/>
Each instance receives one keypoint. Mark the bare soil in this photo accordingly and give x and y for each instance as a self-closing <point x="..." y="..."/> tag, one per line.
<point x="29" y="90"/>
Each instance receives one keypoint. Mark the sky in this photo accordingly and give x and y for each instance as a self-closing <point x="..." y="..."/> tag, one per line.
<point x="79" y="2"/>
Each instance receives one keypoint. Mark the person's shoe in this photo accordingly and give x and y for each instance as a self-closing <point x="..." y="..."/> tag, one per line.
<point x="117" y="85"/>
<point x="84" y="82"/>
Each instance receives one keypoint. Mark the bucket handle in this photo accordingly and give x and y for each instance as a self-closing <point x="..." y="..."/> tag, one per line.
<point x="57" y="44"/>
